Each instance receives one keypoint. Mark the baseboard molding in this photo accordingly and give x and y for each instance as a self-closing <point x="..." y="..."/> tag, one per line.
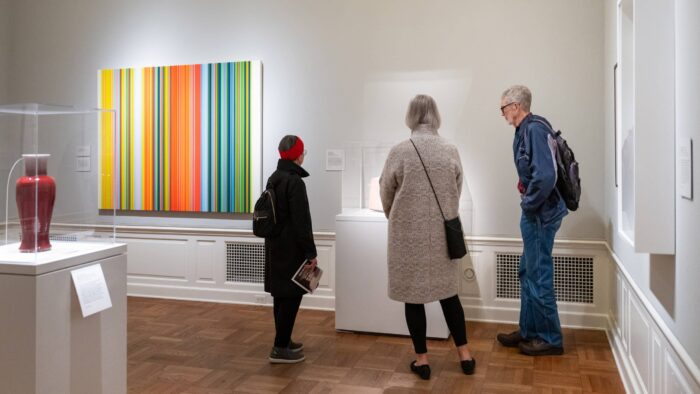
<point x="319" y="300"/>
<point x="323" y="299"/>
<point x="568" y="319"/>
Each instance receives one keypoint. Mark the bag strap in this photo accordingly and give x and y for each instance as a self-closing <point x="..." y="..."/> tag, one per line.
<point x="557" y="156"/>
<point x="429" y="181"/>
<point x="551" y="130"/>
<point x="554" y="135"/>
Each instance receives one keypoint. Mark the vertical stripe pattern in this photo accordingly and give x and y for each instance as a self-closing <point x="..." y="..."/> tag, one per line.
<point x="184" y="140"/>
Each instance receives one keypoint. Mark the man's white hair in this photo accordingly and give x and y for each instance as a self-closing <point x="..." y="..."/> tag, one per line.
<point x="518" y="94"/>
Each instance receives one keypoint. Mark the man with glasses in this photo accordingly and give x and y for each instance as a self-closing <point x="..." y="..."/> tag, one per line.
<point x="534" y="152"/>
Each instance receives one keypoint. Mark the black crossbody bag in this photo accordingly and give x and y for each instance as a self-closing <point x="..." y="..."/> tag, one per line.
<point x="456" y="247"/>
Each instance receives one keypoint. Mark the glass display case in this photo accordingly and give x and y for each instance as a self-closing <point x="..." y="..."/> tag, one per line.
<point x="50" y="168"/>
<point x="362" y="222"/>
<point x="364" y="163"/>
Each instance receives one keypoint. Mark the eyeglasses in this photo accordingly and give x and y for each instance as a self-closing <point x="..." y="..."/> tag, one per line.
<point x="505" y="106"/>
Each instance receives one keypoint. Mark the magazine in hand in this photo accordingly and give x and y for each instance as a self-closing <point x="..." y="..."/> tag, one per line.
<point x="307" y="279"/>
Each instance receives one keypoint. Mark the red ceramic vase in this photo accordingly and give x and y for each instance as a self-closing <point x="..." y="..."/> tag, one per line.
<point x="36" y="193"/>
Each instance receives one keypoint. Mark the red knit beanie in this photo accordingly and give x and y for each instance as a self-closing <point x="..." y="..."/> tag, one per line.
<point x="294" y="152"/>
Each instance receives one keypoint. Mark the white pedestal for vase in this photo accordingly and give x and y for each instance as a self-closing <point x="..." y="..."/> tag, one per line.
<point x="361" y="301"/>
<point x="46" y="346"/>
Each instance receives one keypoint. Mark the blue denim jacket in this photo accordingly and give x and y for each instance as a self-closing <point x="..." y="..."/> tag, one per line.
<point x="535" y="163"/>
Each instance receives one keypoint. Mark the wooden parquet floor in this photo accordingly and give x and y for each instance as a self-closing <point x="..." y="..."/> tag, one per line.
<point x="202" y="347"/>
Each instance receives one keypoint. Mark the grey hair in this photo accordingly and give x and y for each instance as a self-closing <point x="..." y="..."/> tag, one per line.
<point x="422" y="110"/>
<point x="518" y="94"/>
<point x="287" y="142"/>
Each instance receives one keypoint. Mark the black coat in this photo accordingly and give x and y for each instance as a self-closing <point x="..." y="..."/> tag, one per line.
<point x="295" y="243"/>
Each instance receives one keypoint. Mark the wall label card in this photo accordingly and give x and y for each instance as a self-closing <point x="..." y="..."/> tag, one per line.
<point x="335" y="160"/>
<point x="685" y="161"/>
<point x="91" y="288"/>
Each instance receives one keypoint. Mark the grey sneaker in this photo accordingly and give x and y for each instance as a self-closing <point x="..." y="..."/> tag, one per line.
<point x="510" y="340"/>
<point x="282" y="355"/>
<point x="538" y="347"/>
<point x="296" y="346"/>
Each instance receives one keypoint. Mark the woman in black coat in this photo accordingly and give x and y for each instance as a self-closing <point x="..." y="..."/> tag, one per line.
<point x="287" y="251"/>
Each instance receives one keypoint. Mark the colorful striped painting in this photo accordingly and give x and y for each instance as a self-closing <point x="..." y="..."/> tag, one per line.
<point x="188" y="137"/>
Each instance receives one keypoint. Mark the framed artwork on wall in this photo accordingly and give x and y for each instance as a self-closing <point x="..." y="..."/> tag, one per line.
<point x="615" y="98"/>
<point x="189" y="137"/>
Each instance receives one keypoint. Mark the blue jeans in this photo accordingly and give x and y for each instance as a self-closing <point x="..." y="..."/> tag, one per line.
<point x="538" y="304"/>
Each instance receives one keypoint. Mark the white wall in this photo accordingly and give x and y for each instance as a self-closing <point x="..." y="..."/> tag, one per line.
<point x="338" y="72"/>
<point x="654" y="203"/>
<point x="4" y="48"/>
<point x="4" y="64"/>
<point x="687" y="271"/>
<point x="669" y="282"/>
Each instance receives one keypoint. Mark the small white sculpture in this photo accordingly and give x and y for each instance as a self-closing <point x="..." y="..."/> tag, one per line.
<point x="375" y="202"/>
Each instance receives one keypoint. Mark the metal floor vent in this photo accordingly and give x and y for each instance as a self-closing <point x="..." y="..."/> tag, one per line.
<point x="245" y="262"/>
<point x="573" y="277"/>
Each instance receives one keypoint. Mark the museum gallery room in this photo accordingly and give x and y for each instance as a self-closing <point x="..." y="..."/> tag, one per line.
<point x="222" y="196"/>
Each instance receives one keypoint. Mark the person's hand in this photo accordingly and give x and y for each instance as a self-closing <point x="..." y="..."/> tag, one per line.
<point x="311" y="264"/>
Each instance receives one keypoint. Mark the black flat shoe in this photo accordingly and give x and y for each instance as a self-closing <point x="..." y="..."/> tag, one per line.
<point x="421" y="370"/>
<point x="468" y="366"/>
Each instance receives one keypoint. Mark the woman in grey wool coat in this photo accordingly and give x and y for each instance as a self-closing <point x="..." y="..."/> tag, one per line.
<point x="420" y="269"/>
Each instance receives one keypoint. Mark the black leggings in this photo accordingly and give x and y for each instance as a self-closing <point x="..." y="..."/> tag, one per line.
<point x="454" y="316"/>
<point x="285" y="311"/>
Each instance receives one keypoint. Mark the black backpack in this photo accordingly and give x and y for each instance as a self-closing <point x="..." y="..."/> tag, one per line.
<point x="568" y="180"/>
<point x="265" y="220"/>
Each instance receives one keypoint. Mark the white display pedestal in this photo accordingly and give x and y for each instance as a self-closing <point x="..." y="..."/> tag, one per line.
<point x="46" y="346"/>
<point x="361" y="301"/>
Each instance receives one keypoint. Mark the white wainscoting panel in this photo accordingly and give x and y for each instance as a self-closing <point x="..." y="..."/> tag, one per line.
<point x="626" y="316"/>
<point x="191" y="264"/>
<point x="472" y="275"/>
<point x="639" y="336"/>
<point x="675" y="381"/>
<point x="657" y="356"/>
<point x="481" y="302"/>
<point x="205" y="258"/>
<point x="324" y="296"/>
<point x="649" y="357"/>
<point x="169" y="262"/>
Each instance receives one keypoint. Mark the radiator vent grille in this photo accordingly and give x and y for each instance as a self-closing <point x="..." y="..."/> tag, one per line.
<point x="245" y="262"/>
<point x="70" y="237"/>
<point x="573" y="277"/>
<point x="64" y="237"/>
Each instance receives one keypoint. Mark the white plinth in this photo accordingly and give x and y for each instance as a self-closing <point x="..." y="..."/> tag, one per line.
<point x="361" y="301"/>
<point x="46" y="346"/>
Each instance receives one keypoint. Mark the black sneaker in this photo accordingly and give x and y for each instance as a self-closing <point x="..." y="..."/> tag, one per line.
<point x="296" y="346"/>
<point x="468" y="366"/>
<point x="421" y="370"/>
<point x="510" y="340"/>
<point x="538" y="347"/>
<point x="282" y="355"/>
